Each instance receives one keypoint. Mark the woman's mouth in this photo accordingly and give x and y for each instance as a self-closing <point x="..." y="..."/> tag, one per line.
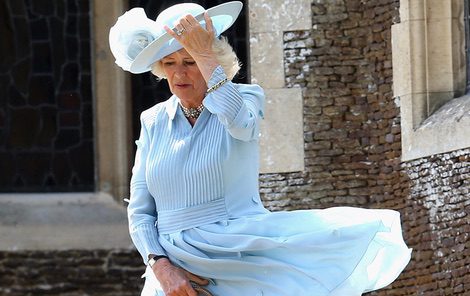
<point x="182" y="85"/>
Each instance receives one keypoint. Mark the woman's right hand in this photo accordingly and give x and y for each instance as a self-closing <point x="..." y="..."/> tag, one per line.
<point x="174" y="280"/>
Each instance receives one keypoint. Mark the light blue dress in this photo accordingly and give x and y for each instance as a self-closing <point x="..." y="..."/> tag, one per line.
<point x="194" y="198"/>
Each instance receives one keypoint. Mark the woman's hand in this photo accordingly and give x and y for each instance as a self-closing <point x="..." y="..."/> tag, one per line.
<point x="193" y="37"/>
<point x="175" y="280"/>
<point x="197" y="41"/>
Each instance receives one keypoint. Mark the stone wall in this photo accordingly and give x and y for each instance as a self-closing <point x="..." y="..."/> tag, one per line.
<point x="73" y="273"/>
<point x="351" y="123"/>
<point x="433" y="199"/>
<point x="352" y="147"/>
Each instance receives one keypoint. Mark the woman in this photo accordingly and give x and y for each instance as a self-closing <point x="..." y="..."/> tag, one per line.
<point x="195" y="213"/>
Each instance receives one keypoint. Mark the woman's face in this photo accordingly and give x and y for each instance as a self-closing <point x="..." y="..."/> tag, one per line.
<point x="183" y="75"/>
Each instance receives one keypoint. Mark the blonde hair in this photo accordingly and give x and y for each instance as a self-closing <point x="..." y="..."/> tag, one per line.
<point x="225" y="56"/>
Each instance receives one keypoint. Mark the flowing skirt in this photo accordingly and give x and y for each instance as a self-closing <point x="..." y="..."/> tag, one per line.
<point x="341" y="251"/>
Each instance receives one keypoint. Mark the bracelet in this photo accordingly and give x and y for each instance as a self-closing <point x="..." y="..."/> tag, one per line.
<point x="217" y="85"/>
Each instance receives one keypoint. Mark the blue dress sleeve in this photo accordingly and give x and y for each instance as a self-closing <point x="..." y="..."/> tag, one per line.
<point x="141" y="211"/>
<point x="238" y="107"/>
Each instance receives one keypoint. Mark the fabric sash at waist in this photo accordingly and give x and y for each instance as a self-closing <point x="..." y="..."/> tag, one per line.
<point x="181" y="219"/>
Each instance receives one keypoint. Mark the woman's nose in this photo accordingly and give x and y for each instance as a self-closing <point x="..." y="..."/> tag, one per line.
<point x="180" y="70"/>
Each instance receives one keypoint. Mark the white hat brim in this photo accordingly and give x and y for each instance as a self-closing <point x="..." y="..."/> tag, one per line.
<point x="223" y="16"/>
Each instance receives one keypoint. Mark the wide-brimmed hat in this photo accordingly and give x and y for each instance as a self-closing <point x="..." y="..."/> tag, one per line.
<point x="137" y="42"/>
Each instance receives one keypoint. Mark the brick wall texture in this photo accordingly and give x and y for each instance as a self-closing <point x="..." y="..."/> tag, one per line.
<point x="352" y="157"/>
<point x="353" y="145"/>
<point x="72" y="273"/>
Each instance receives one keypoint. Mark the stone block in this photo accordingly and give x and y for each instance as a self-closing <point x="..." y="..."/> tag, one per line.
<point x="59" y="217"/>
<point x="266" y="59"/>
<point x="282" y="141"/>
<point x="277" y="15"/>
<point x="440" y="66"/>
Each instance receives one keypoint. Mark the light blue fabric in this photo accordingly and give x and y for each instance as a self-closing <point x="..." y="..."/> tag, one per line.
<point x="194" y="197"/>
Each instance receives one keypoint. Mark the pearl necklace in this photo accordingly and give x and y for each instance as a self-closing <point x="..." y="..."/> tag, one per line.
<point x="192" y="112"/>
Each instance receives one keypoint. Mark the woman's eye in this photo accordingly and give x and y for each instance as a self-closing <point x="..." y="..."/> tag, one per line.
<point x="190" y="62"/>
<point x="167" y="63"/>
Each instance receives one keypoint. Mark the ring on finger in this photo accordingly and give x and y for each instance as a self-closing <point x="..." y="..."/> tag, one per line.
<point x="179" y="32"/>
